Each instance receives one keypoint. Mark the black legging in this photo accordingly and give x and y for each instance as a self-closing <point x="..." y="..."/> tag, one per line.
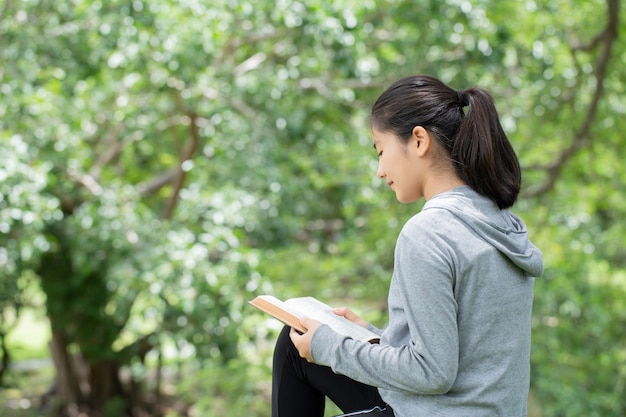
<point x="299" y="387"/>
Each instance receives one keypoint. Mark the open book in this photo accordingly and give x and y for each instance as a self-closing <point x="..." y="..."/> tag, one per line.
<point x="291" y="310"/>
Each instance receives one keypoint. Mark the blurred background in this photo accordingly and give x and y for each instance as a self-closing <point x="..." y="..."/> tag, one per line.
<point x="162" y="162"/>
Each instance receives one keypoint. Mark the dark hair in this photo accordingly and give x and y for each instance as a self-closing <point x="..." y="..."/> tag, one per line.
<point x="476" y="143"/>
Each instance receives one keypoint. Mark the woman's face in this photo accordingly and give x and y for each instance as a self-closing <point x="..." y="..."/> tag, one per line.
<point x="399" y="164"/>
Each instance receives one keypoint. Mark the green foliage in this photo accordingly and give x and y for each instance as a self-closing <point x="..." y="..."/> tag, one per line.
<point x="116" y="406"/>
<point x="24" y="209"/>
<point x="233" y="389"/>
<point x="576" y="344"/>
<point x="161" y="162"/>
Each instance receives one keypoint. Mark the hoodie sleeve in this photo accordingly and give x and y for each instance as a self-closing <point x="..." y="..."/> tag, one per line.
<point x="418" y="352"/>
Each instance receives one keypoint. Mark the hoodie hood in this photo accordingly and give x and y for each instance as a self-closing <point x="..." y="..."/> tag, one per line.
<point x="500" y="228"/>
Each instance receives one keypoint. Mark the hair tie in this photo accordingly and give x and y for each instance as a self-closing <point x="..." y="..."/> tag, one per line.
<point x="461" y="98"/>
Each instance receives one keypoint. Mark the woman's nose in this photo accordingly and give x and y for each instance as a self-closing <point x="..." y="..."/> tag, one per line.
<point x="380" y="173"/>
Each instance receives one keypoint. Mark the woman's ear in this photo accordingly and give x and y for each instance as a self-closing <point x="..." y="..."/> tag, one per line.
<point x="420" y="140"/>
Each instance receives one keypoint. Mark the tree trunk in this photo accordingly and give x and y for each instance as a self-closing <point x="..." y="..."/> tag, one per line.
<point x="67" y="383"/>
<point x="6" y="358"/>
<point x="87" y="371"/>
<point x="104" y="383"/>
<point x="83" y="385"/>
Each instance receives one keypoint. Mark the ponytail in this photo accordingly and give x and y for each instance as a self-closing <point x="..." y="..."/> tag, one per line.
<point x="482" y="153"/>
<point x="478" y="146"/>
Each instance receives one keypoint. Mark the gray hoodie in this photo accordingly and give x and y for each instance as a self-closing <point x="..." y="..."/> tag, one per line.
<point x="458" y="339"/>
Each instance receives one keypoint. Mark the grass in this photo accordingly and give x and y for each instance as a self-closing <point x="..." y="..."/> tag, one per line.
<point x="31" y="374"/>
<point x="29" y="340"/>
<point x="23" y="391"/>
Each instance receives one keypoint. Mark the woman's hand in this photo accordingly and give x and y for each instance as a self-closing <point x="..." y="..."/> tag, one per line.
<point x="350" y="315"/>
<point x="302" y="342"/>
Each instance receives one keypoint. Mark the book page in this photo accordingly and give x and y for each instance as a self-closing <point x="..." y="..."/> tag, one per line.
<point x="315" y="309"/>
<point x="279" y="310"/>
<point x="283" y="305"/>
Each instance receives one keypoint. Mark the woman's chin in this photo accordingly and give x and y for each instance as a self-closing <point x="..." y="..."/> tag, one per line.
<point x="404" y="199"/>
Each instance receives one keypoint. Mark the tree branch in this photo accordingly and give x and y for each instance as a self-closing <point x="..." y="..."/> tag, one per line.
<point x="186" y="154"/>
<point x="234" y="44"/>
<point x="112" y="148"/>
<point x="86" y="181"/>
<point x="148" y="188"/>
<point x="605" y="39"/>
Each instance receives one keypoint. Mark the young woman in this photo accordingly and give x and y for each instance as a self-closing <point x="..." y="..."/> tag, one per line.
<point x="458" y="339"/>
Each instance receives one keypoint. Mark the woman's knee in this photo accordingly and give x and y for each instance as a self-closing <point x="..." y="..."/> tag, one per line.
<point x="284" y="345"/>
